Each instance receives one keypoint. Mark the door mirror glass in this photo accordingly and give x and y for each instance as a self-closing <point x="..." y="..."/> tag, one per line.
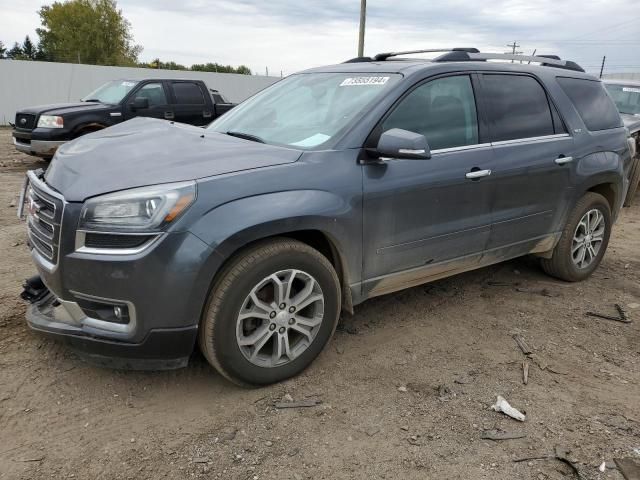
<point x="399" y="143"/>
<point x="139" y="103"/>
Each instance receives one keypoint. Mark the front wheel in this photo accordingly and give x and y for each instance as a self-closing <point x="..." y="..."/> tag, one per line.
<point x="270" y="312"/>
<point x="583" y="241"/>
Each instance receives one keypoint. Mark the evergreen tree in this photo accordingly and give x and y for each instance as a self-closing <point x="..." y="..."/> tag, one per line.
<point x="16" y="52"/>
<point x="28" y="49"/>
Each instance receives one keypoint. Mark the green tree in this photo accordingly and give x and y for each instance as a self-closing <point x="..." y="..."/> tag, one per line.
<point x="160" y="65"/>
<point x="216" y="67"/>
<point x="29" y="50"/>
<point x="2" y="50"/>
<point x="87" y="31"/>
<point x="40" y="55"/>
<point x="16" y="52"/>
<point x="244" y="70"/>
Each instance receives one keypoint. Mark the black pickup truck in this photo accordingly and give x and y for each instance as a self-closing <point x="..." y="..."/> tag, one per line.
<point x="41" y="130"/>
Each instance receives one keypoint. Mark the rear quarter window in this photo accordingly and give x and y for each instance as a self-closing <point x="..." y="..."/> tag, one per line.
<point x="592" y="102"/>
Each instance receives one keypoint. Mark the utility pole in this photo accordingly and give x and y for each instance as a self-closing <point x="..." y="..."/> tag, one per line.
<point x="513" y="46"/>
<point x="363" y="18"/>
<point x="602" y="67"/>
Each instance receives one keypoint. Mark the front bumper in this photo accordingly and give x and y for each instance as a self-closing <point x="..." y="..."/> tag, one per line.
<point x="160" y="349"/>
<point x="159" y="291"/>
<point x="39" y="148"/>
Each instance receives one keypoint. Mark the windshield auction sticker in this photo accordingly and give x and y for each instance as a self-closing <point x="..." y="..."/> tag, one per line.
<point x="356" y="81"/>
<point x="630" y="89"/>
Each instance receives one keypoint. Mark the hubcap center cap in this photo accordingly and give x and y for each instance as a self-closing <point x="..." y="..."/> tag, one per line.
<point x="281" y="319"/>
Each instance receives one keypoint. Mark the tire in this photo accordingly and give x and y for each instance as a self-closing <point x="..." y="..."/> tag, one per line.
<point x="222" y="331"/>
<point x="561" y="264"/>
<point x="634" y="180"/>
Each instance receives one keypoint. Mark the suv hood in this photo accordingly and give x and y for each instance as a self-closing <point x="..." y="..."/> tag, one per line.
<point x="64" y="108"/>
<point x="146" y="151"/>
<point x="632" y="122"/>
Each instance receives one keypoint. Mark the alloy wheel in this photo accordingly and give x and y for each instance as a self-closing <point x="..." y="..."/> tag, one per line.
<point x="280" y="318"/>
<point x="588" y="238"/>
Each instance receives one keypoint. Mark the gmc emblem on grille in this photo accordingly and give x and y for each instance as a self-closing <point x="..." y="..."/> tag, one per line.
<point x="23" y="121"/>
<point x="33" y="208"/>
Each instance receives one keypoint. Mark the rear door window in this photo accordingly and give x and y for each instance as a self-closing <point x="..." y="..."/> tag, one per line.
<point x="443" y="110"/>
<point x="592" y="102"/>
<point x="188" y="93"/>
<point x="518" y="107"/>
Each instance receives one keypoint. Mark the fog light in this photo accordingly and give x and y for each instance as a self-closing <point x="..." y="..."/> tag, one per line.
<point x="102" y="310"/>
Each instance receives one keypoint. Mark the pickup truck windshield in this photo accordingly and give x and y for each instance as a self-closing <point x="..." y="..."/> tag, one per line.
<point x="626" y="97"/>
<point x="111" y="92"/>
<point x="305" y="110"/>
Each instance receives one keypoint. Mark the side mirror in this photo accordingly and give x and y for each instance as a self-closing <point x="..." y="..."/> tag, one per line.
<point x="399" y="143"/>
<point x="139" y="103"/>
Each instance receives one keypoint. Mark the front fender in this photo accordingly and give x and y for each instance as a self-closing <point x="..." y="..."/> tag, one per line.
<point x="233" y="225"/>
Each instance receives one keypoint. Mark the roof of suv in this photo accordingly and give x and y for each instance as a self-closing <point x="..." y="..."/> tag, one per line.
<point x="415" y="65"/>
<point x="463" y="58"/>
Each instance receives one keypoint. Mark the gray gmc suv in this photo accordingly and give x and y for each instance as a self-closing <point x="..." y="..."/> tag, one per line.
<point x="330" y="187"/>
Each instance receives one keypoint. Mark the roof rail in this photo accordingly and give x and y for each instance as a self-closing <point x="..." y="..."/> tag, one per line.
<point x="473" y="54"/>
<point x="544" y="60"/>
<point x="384" y="56"/>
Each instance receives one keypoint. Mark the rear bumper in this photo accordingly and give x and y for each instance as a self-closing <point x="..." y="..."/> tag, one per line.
<point x="161" y="349"/>
<point x="39" y="148"/>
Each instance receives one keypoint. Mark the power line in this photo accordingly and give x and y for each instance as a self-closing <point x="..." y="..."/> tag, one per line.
<point x="634" y="19"/>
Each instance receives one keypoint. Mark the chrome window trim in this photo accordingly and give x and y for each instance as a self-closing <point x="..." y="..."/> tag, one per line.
<point x="544" y="138"/>
<point x="81" y="248"/>
<point x="460" y="148"/>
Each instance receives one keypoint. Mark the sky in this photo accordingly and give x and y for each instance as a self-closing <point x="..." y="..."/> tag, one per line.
<point x="291" y="35"/>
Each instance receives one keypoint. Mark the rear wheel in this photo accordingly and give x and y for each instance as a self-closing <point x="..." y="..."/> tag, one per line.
<point x="583" y="241"/>
<point x="270" y="313"/>
<point x="634" y="179"/>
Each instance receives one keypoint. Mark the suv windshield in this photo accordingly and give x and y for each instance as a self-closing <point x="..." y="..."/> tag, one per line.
<point x="305" y="110"/>
<point x="627" y="98"/>
<point x="111" y="92"/>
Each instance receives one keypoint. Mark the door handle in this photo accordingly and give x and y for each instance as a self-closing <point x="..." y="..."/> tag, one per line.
<point x="563" y="160"/>
<point x="475" y="174"/>
<point x="207" y="114"/>
<point x="169" y="115"/>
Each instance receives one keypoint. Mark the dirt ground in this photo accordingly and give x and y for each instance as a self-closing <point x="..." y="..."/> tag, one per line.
<point x="405" y="386"/>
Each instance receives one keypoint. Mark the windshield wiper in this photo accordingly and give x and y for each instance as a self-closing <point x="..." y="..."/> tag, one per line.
<point x="95" y="100"/>
<point x="246" y="136"/>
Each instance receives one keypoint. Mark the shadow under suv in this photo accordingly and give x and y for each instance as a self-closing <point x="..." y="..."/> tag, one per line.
<point x="330" y="187"/>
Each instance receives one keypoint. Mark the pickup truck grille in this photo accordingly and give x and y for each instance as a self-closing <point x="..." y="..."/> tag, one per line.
<point x="25" y="121"/>
<point x="44" y="217"/>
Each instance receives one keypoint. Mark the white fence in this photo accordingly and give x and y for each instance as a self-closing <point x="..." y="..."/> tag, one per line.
<point x="24" y="83"/>
<point x="622" y="76"/>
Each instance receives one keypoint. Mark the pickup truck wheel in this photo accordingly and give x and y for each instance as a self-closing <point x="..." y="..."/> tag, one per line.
<point x="270" y="313"/>
<point x="583" y="241"/>
<point x="634" y="179"/>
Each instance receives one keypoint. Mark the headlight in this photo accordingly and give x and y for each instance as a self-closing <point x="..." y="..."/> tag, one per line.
<point x="138" y="209"/>
<point x="50" y="121"/>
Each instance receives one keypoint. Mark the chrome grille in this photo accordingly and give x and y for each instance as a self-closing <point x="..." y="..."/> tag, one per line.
<point x="44" y="216"/>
